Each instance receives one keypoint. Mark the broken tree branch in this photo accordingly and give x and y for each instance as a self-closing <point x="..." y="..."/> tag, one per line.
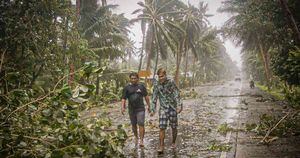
<point x="271" y="130"/>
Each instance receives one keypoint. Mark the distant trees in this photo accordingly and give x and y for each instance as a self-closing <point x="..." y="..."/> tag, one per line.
<point x="268" y="31"/>
<point x="173" y="27"/>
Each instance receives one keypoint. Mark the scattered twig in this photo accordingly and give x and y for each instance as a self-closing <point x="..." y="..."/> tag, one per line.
<point x="2" y="59"/>
<point x="3" y="109"/>
<point x="238" y="95"/>
<point x="39" y="139"/>
<point x="271" y="130"/>
<point x="40" y="108"/>
<point x="39" y="99"/>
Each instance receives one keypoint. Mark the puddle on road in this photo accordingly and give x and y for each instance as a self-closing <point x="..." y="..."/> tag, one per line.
<point x="231" y="110"/>
<point x="231" y="106"/>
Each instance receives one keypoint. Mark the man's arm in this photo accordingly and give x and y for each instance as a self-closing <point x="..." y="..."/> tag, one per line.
<point x="123" y="106"/>
<point x="123" y="102"/>
<point x="177" y="97"/>
<point x="154" y="99"/>
<point x="148" y="103"/>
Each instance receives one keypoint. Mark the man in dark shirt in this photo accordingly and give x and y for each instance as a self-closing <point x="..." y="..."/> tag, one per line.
<point x="134" y="92"/>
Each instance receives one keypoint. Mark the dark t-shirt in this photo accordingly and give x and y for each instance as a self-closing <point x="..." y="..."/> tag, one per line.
<point x="134" y="93"/>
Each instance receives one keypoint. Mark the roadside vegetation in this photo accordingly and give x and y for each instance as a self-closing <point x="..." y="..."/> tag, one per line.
<point x="61" y="57"/>
<point x="268" y="32"/>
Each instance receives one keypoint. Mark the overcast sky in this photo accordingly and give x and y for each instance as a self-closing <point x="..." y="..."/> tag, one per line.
<point x="218" y="19"/>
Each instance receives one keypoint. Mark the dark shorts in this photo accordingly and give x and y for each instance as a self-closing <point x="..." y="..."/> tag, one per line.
<point x="168" y="115"/>
<point x="137" y="117"/>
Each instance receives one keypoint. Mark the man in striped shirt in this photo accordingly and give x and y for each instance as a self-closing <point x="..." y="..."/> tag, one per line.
<point x="170" y="105"/>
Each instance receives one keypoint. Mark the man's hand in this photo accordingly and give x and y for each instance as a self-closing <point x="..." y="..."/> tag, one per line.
<point x="151" y="114"/>
<point x="148" y="109"/>
<point x="123" y="106"/>
<point x="123" y="110"/>
<point x="178" y="110"/>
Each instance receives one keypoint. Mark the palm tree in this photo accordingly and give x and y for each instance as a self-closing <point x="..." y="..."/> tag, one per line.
<point x="129" y="50"/>
<point x="249" y="30"/>
<point x="106" y="32"/>
<point x="193" y="21"/>
<point x="159" y="28"/>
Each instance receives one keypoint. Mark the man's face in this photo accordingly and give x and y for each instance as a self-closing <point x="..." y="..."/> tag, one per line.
<point x="134" y="79"/>
<point x="162" y="77"/>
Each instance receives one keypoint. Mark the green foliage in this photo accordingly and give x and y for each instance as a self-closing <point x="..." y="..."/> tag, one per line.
<point x="214" y="146"/>
<point x="50" y="126"/>
<point x="224" y="128"/>
<point x="275" y="92"/>
<point x="47" y="75"/>
<point x="189" y="94"/>
<point x="265" y="32"/>
<point x="292" y="94"/>
<point x="286" y="64"/>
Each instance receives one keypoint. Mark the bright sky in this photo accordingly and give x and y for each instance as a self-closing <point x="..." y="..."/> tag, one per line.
<point x="128" y="6"/>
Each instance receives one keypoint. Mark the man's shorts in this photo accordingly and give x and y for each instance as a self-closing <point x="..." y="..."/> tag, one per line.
<point x="137" y="117"/>
<point x="166" y="115"/>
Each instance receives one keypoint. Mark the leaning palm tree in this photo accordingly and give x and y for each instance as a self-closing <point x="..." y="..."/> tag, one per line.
<point x="193" y="21"/>
<point x="251" y="30"/>
<point x="105" y="32"/>
<point x="159" y="28"/>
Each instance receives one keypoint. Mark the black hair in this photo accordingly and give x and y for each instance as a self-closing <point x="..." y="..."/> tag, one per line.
<point x="134" y="74"/>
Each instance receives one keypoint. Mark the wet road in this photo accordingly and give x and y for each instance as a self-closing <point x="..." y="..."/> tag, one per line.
<point x="199" y="122"/>
<point x="211" y="125"/>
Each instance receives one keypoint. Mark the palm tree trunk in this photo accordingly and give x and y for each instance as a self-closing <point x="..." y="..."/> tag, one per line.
<point x="104" y="3"/>
<point x="129" y="60"/>
<point x="291" y="19"/>
<point x="150" y="48"/>
<point x="156" y="62"/>
<point x="193" y="77"/>
<point x="157" y="54"/>
<point x="143" y="28"/>
<point x="186" y="66"/>
<point x="142" y="53"/>
<point x="178" y="61"/>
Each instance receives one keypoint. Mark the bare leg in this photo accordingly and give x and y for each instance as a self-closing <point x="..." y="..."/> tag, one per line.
<point x="141" y="133"/>
<point x="161" y="140"/>
<point x="174" y="136"/>
<point x="134" y="129"/>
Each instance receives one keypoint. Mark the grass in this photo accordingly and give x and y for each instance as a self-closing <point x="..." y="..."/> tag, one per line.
<point x="275" y="92"/>
<point x="219" y="147"/>
<point x="224" y="128"/>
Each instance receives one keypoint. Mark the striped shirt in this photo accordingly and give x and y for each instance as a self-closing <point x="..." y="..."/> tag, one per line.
<point x="168" y="94"/>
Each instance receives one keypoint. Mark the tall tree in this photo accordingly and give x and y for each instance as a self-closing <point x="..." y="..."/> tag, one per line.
<point x="159" y="33"/>
<point x="106" y="32"/>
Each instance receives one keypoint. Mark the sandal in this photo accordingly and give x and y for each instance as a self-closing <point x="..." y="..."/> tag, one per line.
<point x="160" y="150"/>
<point x="173" y="146"/>
<point x="141" y="144"/>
